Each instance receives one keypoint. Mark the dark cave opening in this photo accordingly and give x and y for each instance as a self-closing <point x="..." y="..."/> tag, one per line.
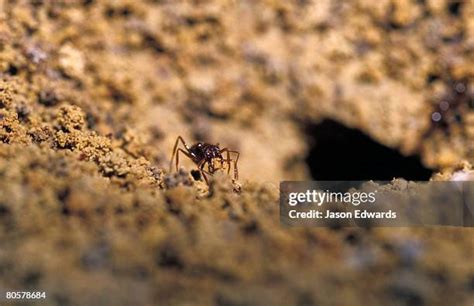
<point x="339" y="153"/>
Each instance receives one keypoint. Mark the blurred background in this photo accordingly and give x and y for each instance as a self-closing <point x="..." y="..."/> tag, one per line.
<point x="93" y="95"/>
<point x="274" y="80"/>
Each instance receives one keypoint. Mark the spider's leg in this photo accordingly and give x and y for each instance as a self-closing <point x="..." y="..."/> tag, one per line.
<point x="205" y="177"/>
<point x="236" y="170"/>
<point x="228" y="160"/>
<point x="177" y="156"/>
<point x="203" y="172"/>
<point x="179" y="139"/>
<point x="210" y="167"/>
<point x="201" y="167"/>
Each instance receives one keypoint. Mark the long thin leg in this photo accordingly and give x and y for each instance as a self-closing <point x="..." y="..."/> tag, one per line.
<point x="201" y="166"/>
<point x="177" y="157"/>
<point x="228" y="159"/>
<point x="174" y="150"/>
<point x="203" y="172"/>
<point x="236" y="170"/>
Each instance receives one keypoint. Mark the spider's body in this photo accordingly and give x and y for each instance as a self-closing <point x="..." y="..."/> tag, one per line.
<point x="204" y="151"/>
<point x="205" y="154"/>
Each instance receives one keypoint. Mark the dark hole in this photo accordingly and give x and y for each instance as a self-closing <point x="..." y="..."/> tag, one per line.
<point x="340" y="153"/>
<point x="12" y="70"/>
<point x="196" y="175"/>
<point x="455" y="7"/>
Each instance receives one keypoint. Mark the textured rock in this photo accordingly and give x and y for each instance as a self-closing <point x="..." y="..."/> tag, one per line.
<point x="94" y="93"/>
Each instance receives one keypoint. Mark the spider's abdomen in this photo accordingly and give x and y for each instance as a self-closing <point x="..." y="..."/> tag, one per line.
<point x="197" y="152"/>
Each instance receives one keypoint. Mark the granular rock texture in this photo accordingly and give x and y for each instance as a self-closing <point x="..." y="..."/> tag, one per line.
<point x="94" y="93"/>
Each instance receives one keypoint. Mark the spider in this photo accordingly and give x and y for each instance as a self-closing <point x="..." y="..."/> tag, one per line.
<point x="203" y="154"/>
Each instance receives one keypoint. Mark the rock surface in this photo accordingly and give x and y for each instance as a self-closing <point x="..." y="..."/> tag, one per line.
<point x="94" y="93"/>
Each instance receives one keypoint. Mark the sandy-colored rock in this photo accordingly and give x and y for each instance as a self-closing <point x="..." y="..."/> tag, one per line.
<point x="93" y="95"/>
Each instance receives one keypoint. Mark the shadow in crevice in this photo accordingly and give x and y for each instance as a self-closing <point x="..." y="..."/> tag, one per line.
<point x="339" y="153"/>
